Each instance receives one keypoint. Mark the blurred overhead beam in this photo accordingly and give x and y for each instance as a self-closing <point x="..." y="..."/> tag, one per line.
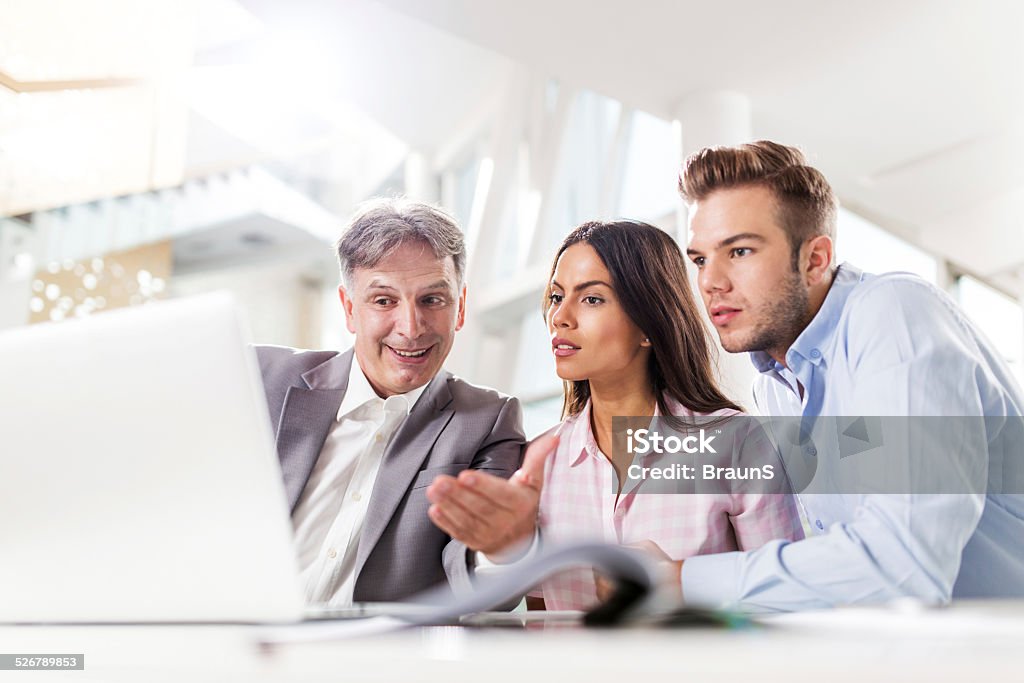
<point x="17" y="86"/>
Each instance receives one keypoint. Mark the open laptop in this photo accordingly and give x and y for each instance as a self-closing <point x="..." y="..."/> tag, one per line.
<point x="139" y="482"/>
<point x="138" y="475"/>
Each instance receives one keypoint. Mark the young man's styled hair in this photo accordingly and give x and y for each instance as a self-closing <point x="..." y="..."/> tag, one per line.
<point x="806" y="204"/>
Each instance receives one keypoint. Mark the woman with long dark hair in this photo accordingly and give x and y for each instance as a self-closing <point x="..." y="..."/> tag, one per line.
<point x="628" y="341"/>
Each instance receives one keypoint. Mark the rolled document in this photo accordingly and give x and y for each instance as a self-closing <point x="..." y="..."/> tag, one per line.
<point x="632" y="572"/>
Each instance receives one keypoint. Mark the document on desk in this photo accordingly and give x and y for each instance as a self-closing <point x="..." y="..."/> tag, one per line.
<point x="633" y="572"/>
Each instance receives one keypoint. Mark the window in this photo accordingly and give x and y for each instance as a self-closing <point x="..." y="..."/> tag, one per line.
<point x="650" y="178"/>
<point x="541" y="414"/>
<point x="875" y="250"/>
<point x="575" y="194"/>
<point x="999" y="317"/>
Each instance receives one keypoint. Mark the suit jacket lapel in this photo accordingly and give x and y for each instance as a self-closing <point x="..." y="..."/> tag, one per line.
<point x="306" y="419"/>
<point x="403" y="460"/>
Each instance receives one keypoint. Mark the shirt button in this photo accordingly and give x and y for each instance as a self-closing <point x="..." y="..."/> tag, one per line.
<point x="357" y="496"/>
<point x="815" y="353"/>
<point x="379" y="438"/>
<point x="818" y="524"/>
<point x="332" y="553"/>
<point x="811" y="450"/>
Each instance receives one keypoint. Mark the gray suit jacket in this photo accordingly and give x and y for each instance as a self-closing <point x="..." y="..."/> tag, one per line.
<point x="453" y="426"/>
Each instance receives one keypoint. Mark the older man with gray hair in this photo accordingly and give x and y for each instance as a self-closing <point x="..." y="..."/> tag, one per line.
<point x="362" y="433"/>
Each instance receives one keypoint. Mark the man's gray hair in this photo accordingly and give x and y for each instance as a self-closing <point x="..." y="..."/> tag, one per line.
<point x="382" y="225"/>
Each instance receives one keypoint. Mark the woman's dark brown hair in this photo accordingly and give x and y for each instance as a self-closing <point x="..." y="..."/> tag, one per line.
<point x="649" y="278"/>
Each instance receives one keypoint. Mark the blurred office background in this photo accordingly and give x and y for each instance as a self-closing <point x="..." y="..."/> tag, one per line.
<point x="161" y="148"/>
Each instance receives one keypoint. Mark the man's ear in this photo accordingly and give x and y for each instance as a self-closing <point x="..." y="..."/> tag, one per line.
<point x="346" y="303"/>
<point x="817" y="259"/>
<point x="461" y="316"/>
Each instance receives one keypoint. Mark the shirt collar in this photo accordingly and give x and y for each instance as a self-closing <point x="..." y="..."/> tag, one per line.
<point x="815" y="342"/>
<point x="360" y="393"/>
<point x="581" y="437"/>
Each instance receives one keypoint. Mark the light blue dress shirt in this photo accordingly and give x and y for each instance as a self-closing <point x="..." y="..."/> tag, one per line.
<point x="886" y="345"/>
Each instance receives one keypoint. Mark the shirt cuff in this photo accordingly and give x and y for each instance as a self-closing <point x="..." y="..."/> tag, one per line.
<point x="519" y="552"/>
<point x="710" y="581"/>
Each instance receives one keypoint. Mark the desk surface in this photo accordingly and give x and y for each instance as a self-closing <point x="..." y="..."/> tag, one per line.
<point x="963" y="643"/>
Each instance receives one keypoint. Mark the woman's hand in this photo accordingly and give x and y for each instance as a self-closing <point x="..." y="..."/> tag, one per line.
<point x="669" y="587"/>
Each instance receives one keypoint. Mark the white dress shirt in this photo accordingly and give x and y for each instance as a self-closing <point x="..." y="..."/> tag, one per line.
<point x="329" y="516"/>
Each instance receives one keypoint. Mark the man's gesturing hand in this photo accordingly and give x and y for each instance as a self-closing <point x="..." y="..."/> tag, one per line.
<point x="488" y="513"/>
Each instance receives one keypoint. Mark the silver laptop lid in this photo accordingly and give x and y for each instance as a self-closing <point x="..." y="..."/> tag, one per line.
<point x="138" y="475"/>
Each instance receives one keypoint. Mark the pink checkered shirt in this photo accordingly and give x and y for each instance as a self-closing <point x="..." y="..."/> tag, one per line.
<point x="578" y="504"/>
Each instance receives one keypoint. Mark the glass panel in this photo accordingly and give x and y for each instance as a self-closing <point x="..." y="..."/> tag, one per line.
<point x="999" y="317"/>
<point x="650" y="179"/>
<point x="465" y="189"/>
<point x="541" y="415"/>
<point x="874" y="250"/>
<point x="576" y="191"/>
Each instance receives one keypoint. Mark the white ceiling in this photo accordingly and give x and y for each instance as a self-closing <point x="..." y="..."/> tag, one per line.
<point x="416" y="80"/>
<point x="912" y="108"/>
